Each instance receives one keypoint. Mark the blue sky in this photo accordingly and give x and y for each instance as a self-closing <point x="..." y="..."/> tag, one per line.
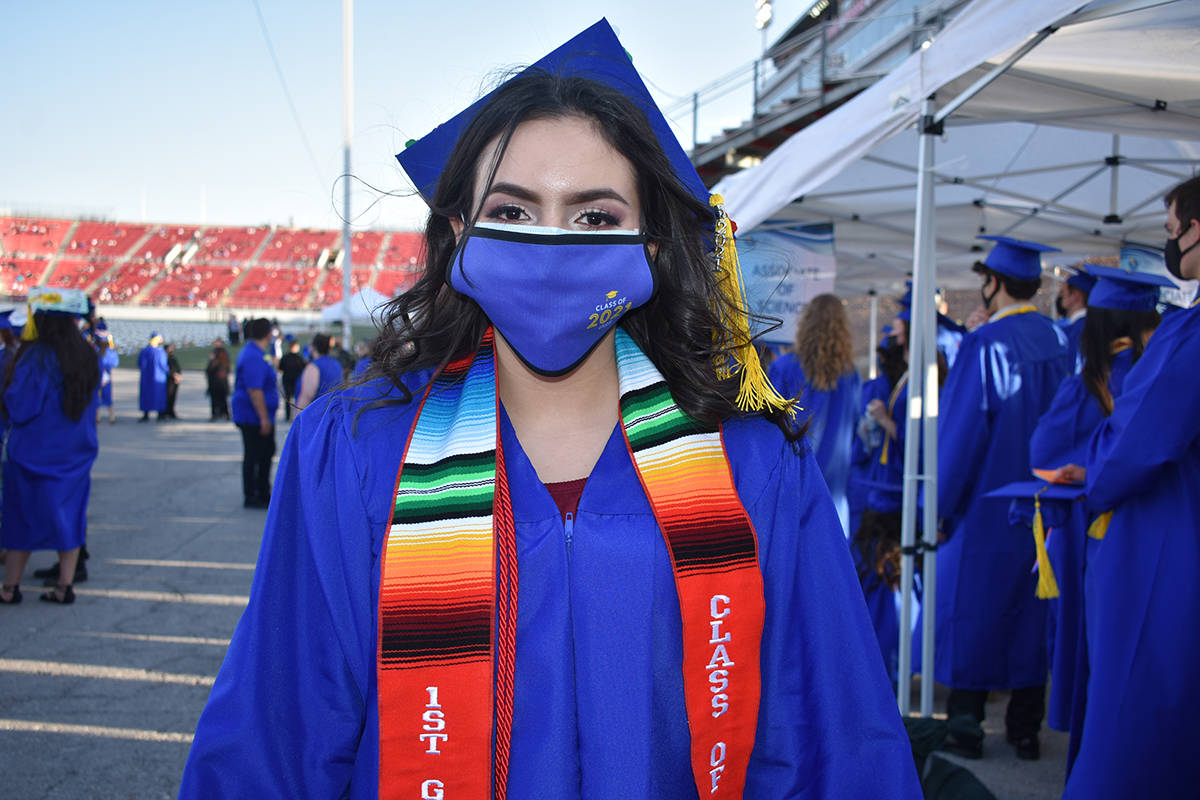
<point x="177" y="105"/>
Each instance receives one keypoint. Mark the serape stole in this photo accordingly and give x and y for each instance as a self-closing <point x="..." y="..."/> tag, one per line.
<point x="448" y="589"/>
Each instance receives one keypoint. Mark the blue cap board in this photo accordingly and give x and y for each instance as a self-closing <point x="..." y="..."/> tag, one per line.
<point x="1040" y="489"/>
<point x="1129" y="291"/>
<point x="55" y="300"/>
<point x="1015" y="258"/>
<point x="597" y="54"/>
<point x="1081" y="279"/>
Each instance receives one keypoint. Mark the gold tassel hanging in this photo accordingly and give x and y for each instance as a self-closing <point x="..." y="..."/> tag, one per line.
<point x="1047" y="586"/>
<point x="30" y="332"/>
<point x="1099" y="526"/>
<point x="755" y="392"/>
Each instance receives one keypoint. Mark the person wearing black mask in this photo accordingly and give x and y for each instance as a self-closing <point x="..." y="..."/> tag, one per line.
<point x="1142" y="588"/>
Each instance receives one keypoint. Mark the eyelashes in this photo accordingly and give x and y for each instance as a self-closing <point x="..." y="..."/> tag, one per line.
<point x="586" y="218"/>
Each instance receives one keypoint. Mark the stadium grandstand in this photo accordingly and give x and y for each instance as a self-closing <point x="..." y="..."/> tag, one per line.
<point x="214" y="267"/>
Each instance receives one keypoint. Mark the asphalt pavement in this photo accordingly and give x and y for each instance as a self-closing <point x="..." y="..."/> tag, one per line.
<point x="99" y="699"/>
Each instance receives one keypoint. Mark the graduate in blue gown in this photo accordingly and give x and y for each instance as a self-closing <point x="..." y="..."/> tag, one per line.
<point x="49" y="399"/>
<point x="1071" y="304"/>
<point x="1142" y="590"/>
<point x="990" y="626"/>
<point x="600" y="698"/>
<point x="1121" y="316"/>
<point x="820" y="373"/>
<point x="108" y="358"/>
<point x="152" y="389"/>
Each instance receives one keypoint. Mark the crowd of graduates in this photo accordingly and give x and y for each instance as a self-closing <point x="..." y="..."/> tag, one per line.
<point x="1069" y="501"/>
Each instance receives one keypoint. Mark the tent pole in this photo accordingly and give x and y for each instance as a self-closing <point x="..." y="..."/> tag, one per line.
<point x="1114" y="162"/>
<point x="994" y="73"/>
<point x="348" y="130"/>
<point x="921" y="339"/>
<point x="871" y="336"/>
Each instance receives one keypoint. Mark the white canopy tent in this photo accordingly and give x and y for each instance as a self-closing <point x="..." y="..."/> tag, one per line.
<point x="1118" y="67"/>
<point x="363" y="307"/>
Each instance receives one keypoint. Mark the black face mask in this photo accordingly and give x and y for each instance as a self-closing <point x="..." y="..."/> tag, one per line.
<point x="1059" y="307"/>
<point x="987" y="298"/>
<point x="1173" y="256"/>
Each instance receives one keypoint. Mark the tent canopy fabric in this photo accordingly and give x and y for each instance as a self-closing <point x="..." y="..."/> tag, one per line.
<point x="363" y="307"/>
<point x="1111" y="67"/>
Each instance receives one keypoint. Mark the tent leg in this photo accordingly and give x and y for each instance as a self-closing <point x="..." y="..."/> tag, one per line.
<point x="922" y="343"/>
<point x="872" y="336"/>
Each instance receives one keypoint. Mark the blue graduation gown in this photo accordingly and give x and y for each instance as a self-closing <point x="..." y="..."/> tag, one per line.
<point x="330" y="371"/>
<point x="831" y="416"/>
<point x="599" y="692"/>
<point x="108" y="362"/>
<point x="1074" y="332"/>
<point x="1142" y="587"/>
<point x="990" y="625"/>
<point x="1061" y="438"/>
<point x="152" y="392"/>
<point x="47" y="472"/>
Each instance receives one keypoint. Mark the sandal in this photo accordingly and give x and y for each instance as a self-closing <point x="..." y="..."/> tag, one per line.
<point x="15" y="592"/>
<point x="68" y="595"/>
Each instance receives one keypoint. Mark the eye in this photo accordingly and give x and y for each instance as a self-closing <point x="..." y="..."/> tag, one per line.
<point x="508" y="212"/>
<point x="597" y="219"/>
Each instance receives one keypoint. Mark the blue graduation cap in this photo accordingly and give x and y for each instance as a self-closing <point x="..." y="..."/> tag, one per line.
<point x="596" y="54"/>
<point x="1015" y="258"/>
<point x="1081" y="279"/>
<point x="5" y="322"/>
<point x="1130" y="291"/>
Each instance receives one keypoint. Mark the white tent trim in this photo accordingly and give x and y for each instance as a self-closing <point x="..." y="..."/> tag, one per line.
<point x="363" y="306"/>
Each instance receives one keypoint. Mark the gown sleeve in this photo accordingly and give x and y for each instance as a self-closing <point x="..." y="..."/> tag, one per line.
<point x="1154" y="420"/>
<point x="963" y="428"/>
<point x="27" y="392"/>
<point x="1053" y="443"/>
<point x="287" y="711"/>
<point x="828" y="724"/>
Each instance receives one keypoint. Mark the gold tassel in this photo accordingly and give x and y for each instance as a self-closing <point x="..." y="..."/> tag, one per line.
<point x="1047" y="587"/>
<point x="30" y="333"/>
<point x="755" y="392"/>
<point x="1099" y="526"/>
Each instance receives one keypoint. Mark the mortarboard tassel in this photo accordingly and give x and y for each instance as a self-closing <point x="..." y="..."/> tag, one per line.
<point x="1047" y="587"/>
<point x="30" y="333"/>
<point x="755" y="392"/>
<point x="1099" y="526"/>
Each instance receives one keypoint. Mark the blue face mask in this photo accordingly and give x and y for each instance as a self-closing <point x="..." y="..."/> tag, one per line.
<point x="552" y="293"/>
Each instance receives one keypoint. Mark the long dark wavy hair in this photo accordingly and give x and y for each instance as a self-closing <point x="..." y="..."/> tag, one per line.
<point x="59" y="340"/>
<point x="1102" y="327"/>
<point x="432" y="324"/>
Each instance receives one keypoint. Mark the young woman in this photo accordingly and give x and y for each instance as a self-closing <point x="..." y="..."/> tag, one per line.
<point x="49" y="396"/>
<point x="569" y="567"/>
<point x="108" y="360"/>
<point x="217" y="375"/>
<point x="820" y="373"/>
<point x="1121" y="316"/>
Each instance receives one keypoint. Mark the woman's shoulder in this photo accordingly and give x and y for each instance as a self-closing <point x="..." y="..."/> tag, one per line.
<point x="760" y="455"/>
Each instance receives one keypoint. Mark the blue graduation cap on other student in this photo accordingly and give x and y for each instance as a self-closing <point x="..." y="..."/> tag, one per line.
<point x="596" y="54"/>
<point x="1130" y="291"/>
<point x="1081" y="278"/>
<point x="1015" y="258"/>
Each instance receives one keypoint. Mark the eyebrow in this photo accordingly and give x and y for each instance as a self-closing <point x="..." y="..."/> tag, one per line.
<point x="585" y="196"/>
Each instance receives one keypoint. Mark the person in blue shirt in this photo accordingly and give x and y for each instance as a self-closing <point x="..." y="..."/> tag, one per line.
<point x="1142" y="588"/>
<point x="1071" y="304"/>
<point x="990" y="625"/>
<point x="820" y="373"/>
<point x="255" y="401"/>
<point x="49" y="399"/>
<point x="321" y="375"/>
<point x="152" y="390"/>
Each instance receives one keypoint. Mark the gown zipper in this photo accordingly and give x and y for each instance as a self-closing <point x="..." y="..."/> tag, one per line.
<point x="568" y="528"/>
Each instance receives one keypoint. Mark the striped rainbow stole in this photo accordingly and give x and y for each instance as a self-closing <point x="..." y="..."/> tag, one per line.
<point x="447" y="602"/>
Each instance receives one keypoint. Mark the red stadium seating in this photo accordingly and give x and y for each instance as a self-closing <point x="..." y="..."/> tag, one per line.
<point x="405" y="250"/>
<point x="298" y="247"/>
<point x="103" y="239"/>
<point x="129" y="279"/>
<point x="233" y="246"/>
<point x="392" y="282"/>
<point x="32" y="238"/>
<point x="17" y="275"/>
<point x="163" y="238"/>
<point x="77" y="274"/>
<point x="331" y="288"/>
<point x="200" y="286"/>
<point x="275" y="287"/>
<point x="365" y="247"/>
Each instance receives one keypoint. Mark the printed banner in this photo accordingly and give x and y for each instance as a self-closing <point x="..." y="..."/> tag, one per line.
<point x="1147" y="259"/>
<point x="784" y="266"/>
